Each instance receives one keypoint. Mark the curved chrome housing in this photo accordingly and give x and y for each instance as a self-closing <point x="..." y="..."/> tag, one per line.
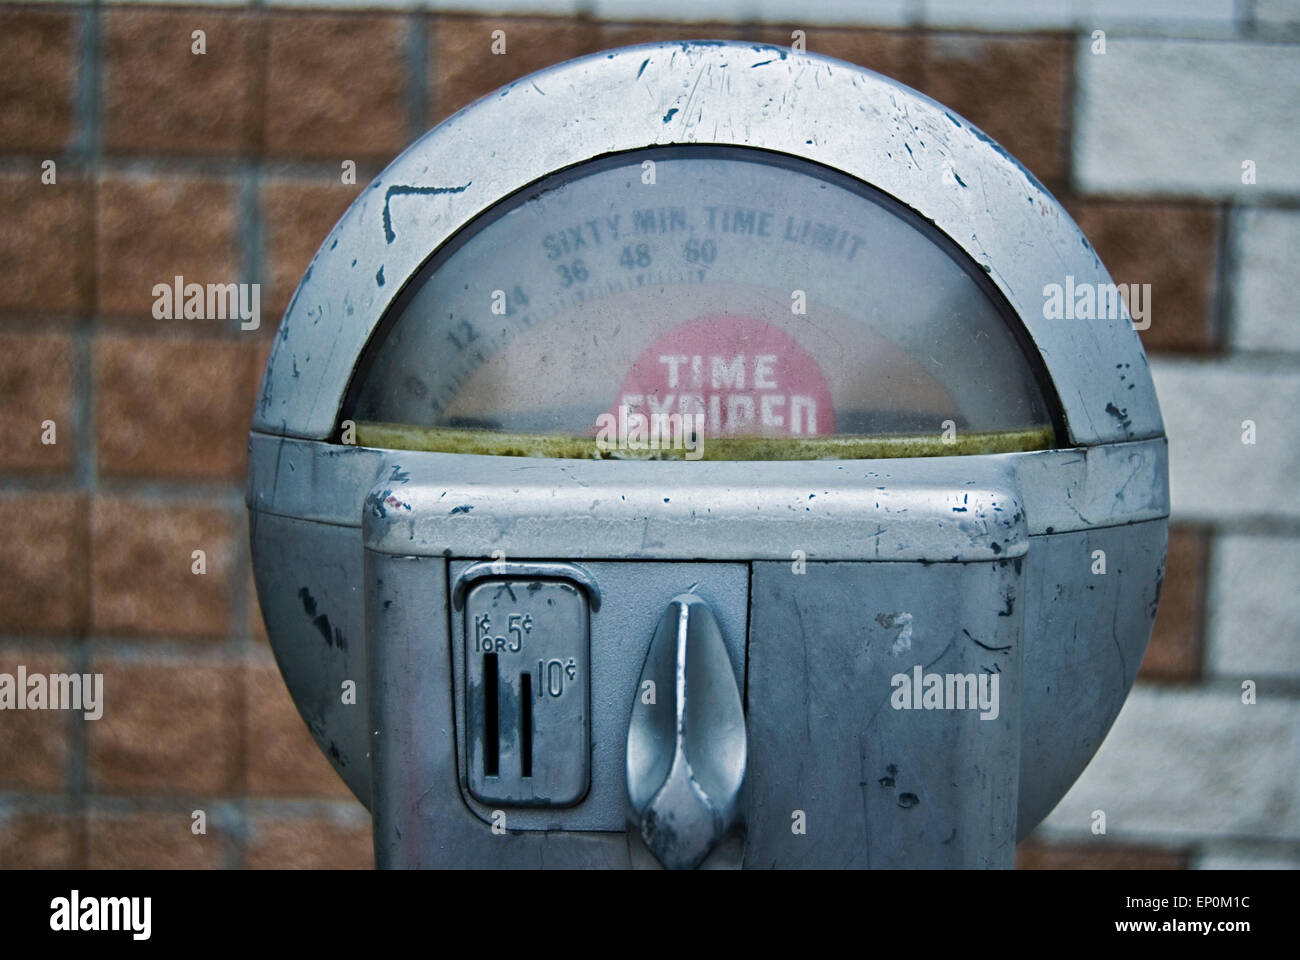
<point x="771" y="98"/>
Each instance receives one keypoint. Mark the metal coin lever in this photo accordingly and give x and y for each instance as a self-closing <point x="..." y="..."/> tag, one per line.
<point x="686" y="749"/>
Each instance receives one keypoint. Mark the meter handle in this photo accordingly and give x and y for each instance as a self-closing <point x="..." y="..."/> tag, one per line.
<point x="686" y="742"/>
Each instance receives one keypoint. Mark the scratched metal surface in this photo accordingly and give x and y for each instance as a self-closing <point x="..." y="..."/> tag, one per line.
<point x="1062" y="490"/>
<point x="945" y="508"/>
<point x="1077" y="674"/>
<point x="1084" y="635"/>
<point x="880" y="787"/>
<point x="309" y="581"/>
<point x="1086" y="491"/>
<point x="832" y="112"/>
<point x="877" y="788"/>
<point x="422" y="820"/>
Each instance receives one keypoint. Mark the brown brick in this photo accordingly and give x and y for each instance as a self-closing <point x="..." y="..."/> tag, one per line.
<point x="1104" y="855"/>
<point x="310" y="844"/>
<point x="162" y="840"/>
<point x="38" y="841"/>
<point x="896" y="54"/>
<point x="1013" y="88"/>
<point x="174" y="406"/>
<point x="626" y="34"/>
<point x="44" y="560"/>
<point x="38" y="84"/>
<point x="161" y="97"/>
<point x="154" y="229"/>
<point x="336" y="85"/>
<point x="45" y="243"/>
<point x="261" y="348"/>
<point x="256" y="625"/>
<point x="141" y="568"/>
<point x="167" y="728"/>
<point x="297" y="217"/>
<point x="33" y="743"/>
<point x="465" y="68"/>
<point x="283" y="759"/>
<point x="1168" y="245"/>
<point x="35" y="386"/>
<point x="1177" y="644"/>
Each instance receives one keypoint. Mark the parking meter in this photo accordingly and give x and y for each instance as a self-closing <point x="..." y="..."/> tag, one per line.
<point x="673" y="459"/>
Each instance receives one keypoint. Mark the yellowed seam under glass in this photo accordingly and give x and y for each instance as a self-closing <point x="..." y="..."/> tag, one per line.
<point x="397" y="436"/>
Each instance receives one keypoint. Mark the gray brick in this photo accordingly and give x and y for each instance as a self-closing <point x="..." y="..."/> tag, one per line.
<point x="1180" y="117"/>
<point x="1266" y="261"/>
<point x="1254" y="627"/>
<point x="1247" y="856"/>
<point x="1181" y="764"/>
<point x="999" y="14"/>
<point x="1278" y="17"/>
<point x="1168" y="16"/>
<point x="1214" y="477"/>
<point x="1163" y="17"/>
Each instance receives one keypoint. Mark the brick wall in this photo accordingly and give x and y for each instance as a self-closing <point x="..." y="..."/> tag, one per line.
<point x="225" y="167"/>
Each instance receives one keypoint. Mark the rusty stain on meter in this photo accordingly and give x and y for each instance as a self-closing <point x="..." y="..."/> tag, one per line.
<point x="527" y="670"/>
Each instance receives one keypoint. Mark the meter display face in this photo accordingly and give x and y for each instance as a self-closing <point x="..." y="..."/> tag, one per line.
<point x="700" y="302"/>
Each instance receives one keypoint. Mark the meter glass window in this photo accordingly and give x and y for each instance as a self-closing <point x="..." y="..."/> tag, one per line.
<point x="688" y="302"/>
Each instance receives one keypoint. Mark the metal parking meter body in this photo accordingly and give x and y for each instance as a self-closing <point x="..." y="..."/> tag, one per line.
<point x="676" y="453"/>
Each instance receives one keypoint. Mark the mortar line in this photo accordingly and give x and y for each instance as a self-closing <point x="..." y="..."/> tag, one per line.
<point x="431" y="90"/>
<point x="90" y="109"/>
<point x="252" y="236"/>
<point x="417" y="73"/>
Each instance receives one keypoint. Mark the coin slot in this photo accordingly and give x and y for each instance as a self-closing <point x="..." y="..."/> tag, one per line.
<point x="491" y="733"/>
<point x="526" y="724"/>
<point x="527" y="700"/>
